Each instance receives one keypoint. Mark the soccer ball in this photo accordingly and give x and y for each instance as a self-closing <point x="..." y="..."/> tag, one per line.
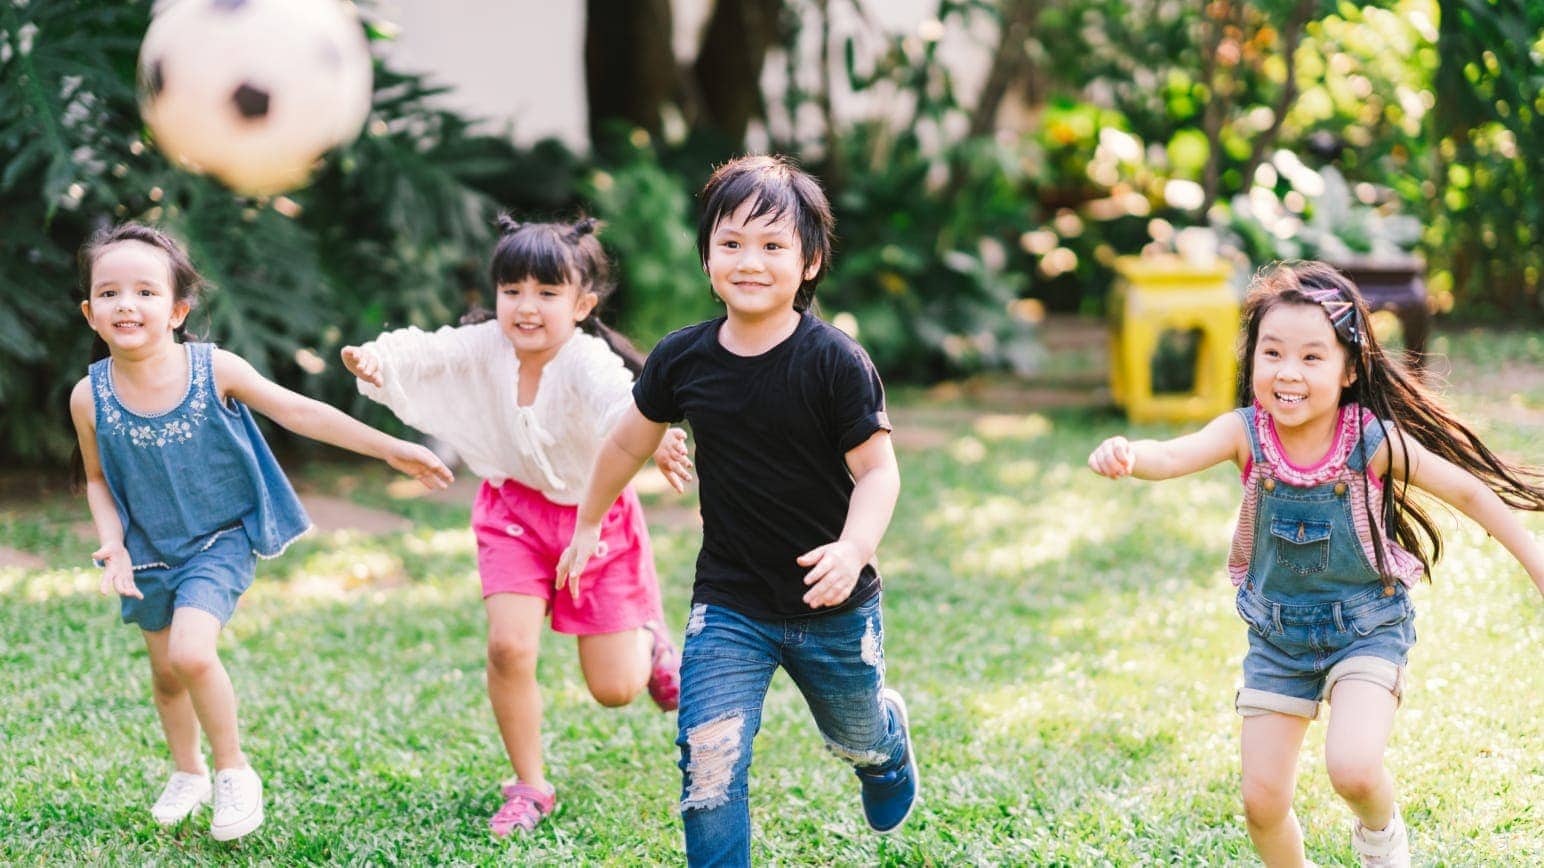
<point x="254" y="91"/>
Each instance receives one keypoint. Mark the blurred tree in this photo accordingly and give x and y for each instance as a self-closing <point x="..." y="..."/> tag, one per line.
<point x="1489" y="182"/>
<point x="390" y="232"/>
<point x="631" y="71"/>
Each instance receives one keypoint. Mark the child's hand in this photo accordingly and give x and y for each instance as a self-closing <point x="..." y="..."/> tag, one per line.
<point x="421" y="464"/>
<point x="576" y="557"/>
<point x="117" y="572"/>
<point x="673" y="461"/>
<point x="836" y="567"/>
<point x="1114" y="458"/>
<point x="364" y="365"/>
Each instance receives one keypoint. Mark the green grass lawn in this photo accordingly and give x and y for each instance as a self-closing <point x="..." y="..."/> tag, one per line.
<point x="1068" y="647"/>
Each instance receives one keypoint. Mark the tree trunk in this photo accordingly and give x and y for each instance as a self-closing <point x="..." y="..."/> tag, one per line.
<point x="629" y="64"/>
<point x="727" y="73"/>
<point x="1010" y="65"/>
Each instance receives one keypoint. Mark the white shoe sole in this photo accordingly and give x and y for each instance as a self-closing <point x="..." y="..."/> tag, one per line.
<point x="911" y="758"/>
<point x="236" y="830"/>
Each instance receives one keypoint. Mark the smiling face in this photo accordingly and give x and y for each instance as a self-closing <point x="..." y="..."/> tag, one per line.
<point x="1300" y="368"/>
<point x="756" y="264"/>
<point x="538" y="318"/>
<point x="132" y="303"/>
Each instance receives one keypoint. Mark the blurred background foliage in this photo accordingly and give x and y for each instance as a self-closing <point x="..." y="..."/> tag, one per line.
<point x="1102" y="128"/>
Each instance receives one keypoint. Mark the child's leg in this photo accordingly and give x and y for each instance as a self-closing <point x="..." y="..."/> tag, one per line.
<point x="839" y="667"/>
<point x="1269" y="749"/>
<point x="514" y="637"/>
<point x="725" y="670"/>
<point x="616" y="665"/>
<point x="178" y="720"/>
<point x="194" y="659"/>
<point x="1361" y="718"/>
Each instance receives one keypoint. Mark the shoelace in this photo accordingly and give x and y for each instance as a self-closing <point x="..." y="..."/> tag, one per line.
<point x="886" y="777"/>
<point x="225" y="792"/>
<point x="180" y="789"/>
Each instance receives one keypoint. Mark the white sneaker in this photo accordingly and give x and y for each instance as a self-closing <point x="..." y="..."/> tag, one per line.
<point x="238" y="803"/>
<point x="183" y="793"/>
<point x="1389" y="848"/>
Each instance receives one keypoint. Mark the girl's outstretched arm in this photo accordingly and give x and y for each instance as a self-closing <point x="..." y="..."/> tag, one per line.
<point x="117" y="571"/>
<point x="1222" y="439"/>
<point x="311" y="418"/>
<point x="632" y="440"/>
<point x="1433" y="473"/>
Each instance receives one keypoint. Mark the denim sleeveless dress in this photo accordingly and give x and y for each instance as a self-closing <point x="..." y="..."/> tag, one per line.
<point x="184" y="478"/>
<point x="1304" y="562"/>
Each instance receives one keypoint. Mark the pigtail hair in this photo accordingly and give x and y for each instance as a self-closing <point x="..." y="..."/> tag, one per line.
<point x="507" y="225"/>
<point x="631" y="357"/>
<point x="582" y="227"/>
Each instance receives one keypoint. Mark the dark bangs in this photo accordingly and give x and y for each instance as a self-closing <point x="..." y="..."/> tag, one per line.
<point x="777" y="189"/>
<point x="539" y="253"/>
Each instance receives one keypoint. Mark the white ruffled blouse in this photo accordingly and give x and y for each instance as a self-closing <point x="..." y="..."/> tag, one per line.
<point x="461" y="384"/>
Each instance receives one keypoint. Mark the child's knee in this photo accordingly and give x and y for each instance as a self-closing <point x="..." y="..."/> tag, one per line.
<point x="712" y="753"/>
<point x="612" y="693"/>
<point x="1355" y="778"/>
<point x="191" y="661"/>
<point x="165" y="681"/>
<point x="513" y="655"/>
<point x="1266" y="802"/>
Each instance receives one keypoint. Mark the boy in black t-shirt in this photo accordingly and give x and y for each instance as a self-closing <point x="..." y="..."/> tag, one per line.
<point x="798" y="484"/>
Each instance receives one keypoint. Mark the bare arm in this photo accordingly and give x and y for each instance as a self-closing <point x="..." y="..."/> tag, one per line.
<point x="1433" y="473"/>
<point x="632" y="440"/>
<point x="1222" y="439"/>
<point x="835" y="567"/>
<point x="117" y="571"/>
<point x="311" y="418"/>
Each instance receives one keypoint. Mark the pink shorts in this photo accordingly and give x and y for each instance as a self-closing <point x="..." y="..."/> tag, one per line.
<point x="520" y="536"/>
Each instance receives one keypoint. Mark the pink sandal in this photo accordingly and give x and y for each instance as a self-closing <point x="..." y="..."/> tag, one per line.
<point x="664" y="669"/>
<point x="524" y="807"/>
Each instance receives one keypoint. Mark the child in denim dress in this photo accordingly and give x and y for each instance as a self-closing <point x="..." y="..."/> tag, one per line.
<point x="185" y="495"/>
<point x="1327" y="544"/>
<point x="798" y="484"/>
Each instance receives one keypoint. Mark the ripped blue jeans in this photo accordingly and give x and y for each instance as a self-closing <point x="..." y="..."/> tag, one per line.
<point x="837" y="662"/>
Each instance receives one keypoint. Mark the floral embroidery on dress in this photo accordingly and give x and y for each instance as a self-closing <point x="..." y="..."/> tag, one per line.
<point x="158" y="431"/>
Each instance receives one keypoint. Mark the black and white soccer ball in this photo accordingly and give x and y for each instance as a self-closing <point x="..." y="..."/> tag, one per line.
<point x="254" y="91"/>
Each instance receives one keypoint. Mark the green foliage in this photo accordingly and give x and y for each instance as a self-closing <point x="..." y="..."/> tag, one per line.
<point x="391" y="232"/>
<point x="1486" y="193"/>
<point x="651" y="231"/>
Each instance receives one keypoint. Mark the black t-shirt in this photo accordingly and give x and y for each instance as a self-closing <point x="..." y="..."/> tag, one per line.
<point x="772" y="433"/>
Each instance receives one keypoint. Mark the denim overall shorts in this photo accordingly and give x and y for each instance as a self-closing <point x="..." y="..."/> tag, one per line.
<point x="1317" y="608"/>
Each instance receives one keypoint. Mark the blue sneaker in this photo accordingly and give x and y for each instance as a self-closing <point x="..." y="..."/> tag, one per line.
<point x="889" y="795"/>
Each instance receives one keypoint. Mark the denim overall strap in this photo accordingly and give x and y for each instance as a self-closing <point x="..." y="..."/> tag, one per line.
<point x="1247" y="414"/>
<point x="1373" y="432"/>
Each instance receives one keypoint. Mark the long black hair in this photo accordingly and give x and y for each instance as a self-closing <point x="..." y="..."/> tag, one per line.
<point x="556" y="254"/>
<point x="1384" y="386"/>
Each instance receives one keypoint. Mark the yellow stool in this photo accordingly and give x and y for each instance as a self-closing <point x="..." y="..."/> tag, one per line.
<point x="1158" y="305"/>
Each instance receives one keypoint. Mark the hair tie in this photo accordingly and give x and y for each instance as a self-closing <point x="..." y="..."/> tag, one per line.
<point x="584" y="226"/>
